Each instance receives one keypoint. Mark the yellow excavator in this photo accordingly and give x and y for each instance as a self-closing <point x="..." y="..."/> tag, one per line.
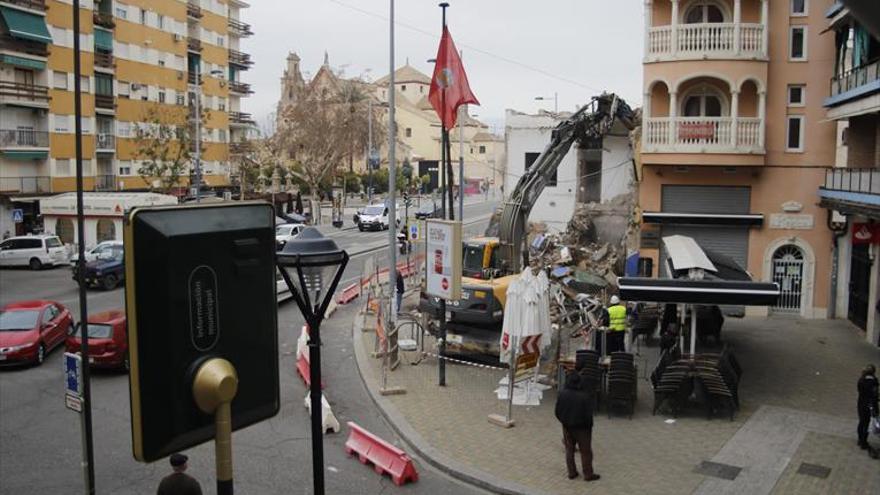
<point x="490" y="263"/>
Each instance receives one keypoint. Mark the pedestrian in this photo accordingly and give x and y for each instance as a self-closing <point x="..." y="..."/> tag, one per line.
<point x="867" y="403"/>
<point x="574" y="410"/>
<point x="616" y="326"/>
<point x="178" y="482"/>
<point x="399" y="290"/>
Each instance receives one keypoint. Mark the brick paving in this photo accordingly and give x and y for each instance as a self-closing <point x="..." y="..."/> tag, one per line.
<point x="797" y="373"/>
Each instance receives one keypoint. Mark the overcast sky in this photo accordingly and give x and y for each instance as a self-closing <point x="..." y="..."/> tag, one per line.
<point x="514" y="50"/>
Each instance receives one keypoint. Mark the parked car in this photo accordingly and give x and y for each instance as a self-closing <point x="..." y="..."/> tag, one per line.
<point x="429" y="210"/>
<point x="29" y="330"/>
<point x="92" y="254"/>
<point x="35" y="251"/>
<point x="282" y="291"/>
<point x="374" y="217"/>
<point x="107" y="271"/>
<point x="285" y="233"/>
<point x="108" y="341"/>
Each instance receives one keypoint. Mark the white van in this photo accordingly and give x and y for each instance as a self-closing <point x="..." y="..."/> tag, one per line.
<point x="34" y="251"/>
<point x="375" y="217"/>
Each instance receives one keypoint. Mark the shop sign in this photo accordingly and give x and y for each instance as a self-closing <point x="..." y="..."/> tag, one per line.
<point x="443" y="263"/>
<point x="791" y="221"/>
<point x="865" y="233"/>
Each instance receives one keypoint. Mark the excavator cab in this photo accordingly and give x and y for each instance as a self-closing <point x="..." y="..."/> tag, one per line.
<point x="480" y="258"/>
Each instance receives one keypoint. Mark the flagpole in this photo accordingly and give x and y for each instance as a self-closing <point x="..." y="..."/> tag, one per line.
<point x="443" y="156"/>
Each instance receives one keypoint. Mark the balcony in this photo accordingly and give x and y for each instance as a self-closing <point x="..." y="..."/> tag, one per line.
<point x="239" y="147"/>
<point x="241" y="118"/>
<point x="103" y="19"/>
<point x="194" y="44"/>
<point x="702" y="41"/>
<point x="240" y="87"/>
<point x="105" y="142"/>
<point x="241" y="59"/>
<point x="105" y="183"/>
<point x="23" y="46"/>
<point x="852" y="191"/>
<point x="23" y="139"/>
<point x="193" y="11"/>
<point x="240" y="29"/>
<point x="26" y="185"/>
<point x="13" y="91"/>
<point x="703" y="135"/>
<point x="104" y="59"/>
<point x="855" y="83"/>
<point x="106" y="102"/>
<point x="28" y="4"/>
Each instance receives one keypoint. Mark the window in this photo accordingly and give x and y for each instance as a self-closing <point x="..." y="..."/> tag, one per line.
<point x="221" y="135"/>
<point x="409" y="132"/>
<point x="84" y="84"/>
<point x="797" y="43"/>
<point x="482" y="150"/>
<point x="24" y="77"/>
<point x="221" y="103"/>
<point x="796" y="95"/>
<point x="123" y="129"/>
<point x="181" y="99"/>
<point x="704" y="104"/>
<point x="794" y="134"/>
<point x="143" y="16"/>
<point x="702" y="13"/>
<point x="64" y="230"/>
<point x="59" y="80"/>
<point x="161" y="96"/>
<point x="123" y="88"/>
<point x="124" y="167"/>
<point x="403" y="87"/>
<point x="798" y="8"/>
<point x="530" y="159"/>
<point x="161" y="63"/>
<point x="62" y="167"/>
<point x="62" y="123"/>
<point x="121" y="13"/>
<point x="160" y="21"/>
<point x="220" y="41"/>
<point x="103" y="85"/>
<point x="422" y="90"/>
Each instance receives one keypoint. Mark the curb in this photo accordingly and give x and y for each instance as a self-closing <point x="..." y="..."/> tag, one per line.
<point x="414" y="440"/>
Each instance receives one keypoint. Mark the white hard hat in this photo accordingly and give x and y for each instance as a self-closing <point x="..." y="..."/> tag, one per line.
<point x="615" y="300"/>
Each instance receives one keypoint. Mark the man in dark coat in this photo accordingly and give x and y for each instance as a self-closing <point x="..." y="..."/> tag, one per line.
<point x="867" y="403"/>
<point x="574" y="409"/>
<point x="178" y="482"/>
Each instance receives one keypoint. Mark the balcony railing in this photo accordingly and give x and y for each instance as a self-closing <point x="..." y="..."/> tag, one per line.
<point x="105" y="101"/>
<point x="36" y="184"/>
<point x="103" y="19"/>
<point x="193" y="10"/>
<point x="711" y="40"/>
<point x="856" y="77"/>
<point x="24" y="46"/>
<point x="23" y="138"/>
<point x="857" y="180"/>
<point x="28" y="4"/>
<point x="703" y="135"/>
<point x="240" y="87"/>
<point x="105" y="183"/>
<point x="240" y="118"/>
<point x="104" y="59"/>
<point x="240" y="58"/>
<point x="21" y="91"/>
<point x="240" y="29"/>
<point x="105" y="141"/>
<point x="239" y="147"/>
<point x="194" y="44"/>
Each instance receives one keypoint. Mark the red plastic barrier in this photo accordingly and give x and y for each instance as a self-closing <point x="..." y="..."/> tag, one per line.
<point x="348" y="294"/>
<point x="386" y="458"/>
<point x="302" y="367"/>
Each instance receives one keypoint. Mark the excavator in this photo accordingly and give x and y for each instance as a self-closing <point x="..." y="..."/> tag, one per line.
<point x="490" y="263"/>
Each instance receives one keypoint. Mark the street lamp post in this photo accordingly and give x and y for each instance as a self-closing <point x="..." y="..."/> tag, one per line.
<point x="197" y="165"/>
<point x="547" y="98"/>
<point x="311" y="266"/>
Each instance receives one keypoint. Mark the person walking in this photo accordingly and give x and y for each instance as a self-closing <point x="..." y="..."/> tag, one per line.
<point x="399" y="290"/>
<point x="574" y="410"/>
<point x="616" y="326"/>
<point x="867" y="403"/>
<point x="178" y="482"/>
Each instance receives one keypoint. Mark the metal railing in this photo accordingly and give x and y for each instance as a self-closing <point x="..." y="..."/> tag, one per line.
<point x="193" y="10"/>
<point x="858" y="180"/>
<point x="241" y="118"/>
<point x="24" y="91"/>
<point x="105" y="141"/>
<point x="103" y="59"/>
<point x="240" y="29"/>
<point x="191" y="77"/>
<point x="103" y="19"/>
<point x="28" y="4"/>
<point x="855" y="77"/>
<point x="36" y="184"/>
<point x="105" y="183"/>
<point x="105" y="101"/>
<point x="194" y="44"/>
<point x="240" y="87"/>
<point x="707" y="39"/>
<point x="240" y="58"/>
<point x="24" y="46"/>
<point x="703" y="134"/>
<point x="23" y="138"/>
<point x="239" y="147"/>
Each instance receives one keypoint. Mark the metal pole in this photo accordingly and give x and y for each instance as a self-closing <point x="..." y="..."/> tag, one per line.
<point x="315" y="398"/>
<point x="88" y="447"/>
<point x="555" y="102"/>
<point x="461" y="160"/>
<point x="370" y="149"/>
<point x="443" y="153"/>
<point x="198" y="137"/>
<point x="392" y="189"/>
<point x="511" y="376"/>
<point x="693" y="331"/>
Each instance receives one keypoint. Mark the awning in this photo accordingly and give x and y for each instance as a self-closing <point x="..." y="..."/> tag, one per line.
<point x="702" y="218"/>
<point x="26" y="26"/>
<point x="103" y="39"/>
<point x="685" y="253"/>
<point x="22" y="62"/>
<point x="25" y="155"/>
<point x="707" y="292"/>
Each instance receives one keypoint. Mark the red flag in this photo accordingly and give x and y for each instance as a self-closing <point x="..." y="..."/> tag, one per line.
<point x="449" y="75"/>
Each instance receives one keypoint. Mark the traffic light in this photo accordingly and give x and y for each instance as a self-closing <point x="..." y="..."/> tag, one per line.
<point x="200" y="288"/>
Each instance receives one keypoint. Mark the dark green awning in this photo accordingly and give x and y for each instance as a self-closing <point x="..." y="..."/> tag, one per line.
<point x="26" y="26"/>
<point x="103" y="40"/>
<point x="22" y="62"/>
<point x="25" y="155"/>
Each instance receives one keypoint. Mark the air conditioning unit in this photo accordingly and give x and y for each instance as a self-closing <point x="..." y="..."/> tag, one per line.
<point x="135" y="87"/>
<point x="178" y="37"/>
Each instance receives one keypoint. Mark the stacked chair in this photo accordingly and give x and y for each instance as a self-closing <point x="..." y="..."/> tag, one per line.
<point x="622" y="383"/>
<point x="674" y="386"/>
<point x="587" y="364"/>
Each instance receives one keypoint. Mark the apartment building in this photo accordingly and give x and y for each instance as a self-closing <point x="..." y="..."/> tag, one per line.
<point x="735" y="139"/>
<point x="851" y="191"/>
<point x="138" y="56"/>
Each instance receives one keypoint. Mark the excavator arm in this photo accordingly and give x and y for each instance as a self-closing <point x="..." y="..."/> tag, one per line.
<point x="592" y="121"/>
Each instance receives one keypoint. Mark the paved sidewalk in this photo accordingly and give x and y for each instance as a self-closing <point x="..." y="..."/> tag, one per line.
<point x="798" y="409"/>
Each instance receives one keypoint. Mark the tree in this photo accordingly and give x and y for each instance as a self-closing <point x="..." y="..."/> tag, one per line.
<point x="163" y="144"/>
<point x="353" y="97"/>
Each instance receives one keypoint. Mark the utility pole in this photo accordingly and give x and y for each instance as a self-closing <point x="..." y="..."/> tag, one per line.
<point x="370" y="150"/>
<point x="461" y="160"/>
<point x="198" y="138"/>
<point x="392" y="186"/>
<point x="444" y="156"/>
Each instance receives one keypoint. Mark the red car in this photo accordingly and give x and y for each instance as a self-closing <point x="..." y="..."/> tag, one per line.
<point x="29" y="330"/>
<point x="108" y="342"/>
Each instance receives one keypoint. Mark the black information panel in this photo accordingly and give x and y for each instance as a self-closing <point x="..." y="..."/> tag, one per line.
<point x="200" y="283"/>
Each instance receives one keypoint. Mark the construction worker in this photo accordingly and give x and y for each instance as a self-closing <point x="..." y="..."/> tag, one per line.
<point x="616" y="325"/>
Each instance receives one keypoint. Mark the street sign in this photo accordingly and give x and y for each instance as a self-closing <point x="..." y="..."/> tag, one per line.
<point x="73" y="374"/>
<point x="414" y="232"/>
<point x="443" y="240"/>
<point x="73" y="402"/>
<point x="17" y="215"/>
<point x="374" y="159"/>
<point x="200" y="284"/>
